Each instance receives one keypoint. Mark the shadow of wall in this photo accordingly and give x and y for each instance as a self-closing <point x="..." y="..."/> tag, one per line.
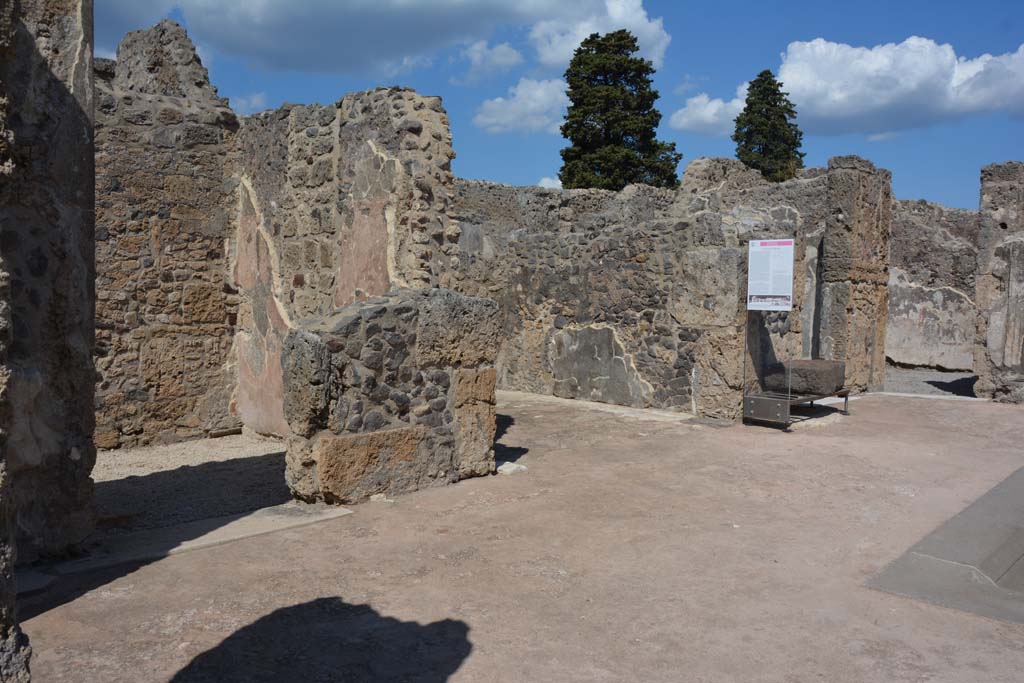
<point x="180" y="504"/>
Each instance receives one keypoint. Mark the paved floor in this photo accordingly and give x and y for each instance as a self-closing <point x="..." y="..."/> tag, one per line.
<point x="630" y="550"/>
<point x="973" y="562"/>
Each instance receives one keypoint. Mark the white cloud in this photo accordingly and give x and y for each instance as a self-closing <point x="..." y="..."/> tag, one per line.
<point x="879" y="90"/>
<point x="485" y="60"/>
<point x="248" y="104"/>
<point x="354" y="36"/>
<point x="708" y="116"/>
<point x="531" y="106"/>
<point x="840" y="89"/>
<point x="556" y="39"/>
<point x="550" y="183"/>
<point x="686" y="84"/>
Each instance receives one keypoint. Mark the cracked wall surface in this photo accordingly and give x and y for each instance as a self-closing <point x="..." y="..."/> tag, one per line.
<point x="934" y="255"/>
<point x="637" y="298"/>
<point x="165" y="203"/>
<point x="999" y="341"/>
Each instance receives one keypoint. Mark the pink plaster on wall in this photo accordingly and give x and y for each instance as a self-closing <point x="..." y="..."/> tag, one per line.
<point x="363" y="268"/>
<point x="260" y="398"/>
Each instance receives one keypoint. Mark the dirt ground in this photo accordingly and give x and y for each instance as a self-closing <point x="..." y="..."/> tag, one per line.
<point x="631" y="550"/>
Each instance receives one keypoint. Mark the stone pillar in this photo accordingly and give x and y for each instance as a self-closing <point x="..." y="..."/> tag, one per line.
<point x="999" y="342"/>
<point x="47" y="248"/>
<point x="855" y="270"/>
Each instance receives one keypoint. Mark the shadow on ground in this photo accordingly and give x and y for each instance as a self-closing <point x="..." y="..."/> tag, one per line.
<point x="183" y="504"/>
<point x="503" y="452"/>
<point x="171" y="507"/>
<point x="329" y="640"/>
<point x="800" y="414"/>
<point x="190" y="493"/>
<point x="963" y="386"/>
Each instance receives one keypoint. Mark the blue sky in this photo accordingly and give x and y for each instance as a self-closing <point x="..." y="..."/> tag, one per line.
<point x="930" y="90"/>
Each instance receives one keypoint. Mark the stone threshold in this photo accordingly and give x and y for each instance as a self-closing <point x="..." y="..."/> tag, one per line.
<point x="155" y="544"/>
<point x="504" y="396"/>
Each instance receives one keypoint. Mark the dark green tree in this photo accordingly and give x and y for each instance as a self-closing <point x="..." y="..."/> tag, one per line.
<point x="767" y="137"/>
<point x="611" y="121"/>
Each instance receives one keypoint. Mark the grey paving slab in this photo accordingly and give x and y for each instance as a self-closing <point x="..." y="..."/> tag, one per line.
<point x="153" y="544"/>
<point x="973" y="562"/>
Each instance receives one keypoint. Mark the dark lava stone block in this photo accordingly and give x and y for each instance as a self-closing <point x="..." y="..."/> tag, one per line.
<point x="808" y="376"/>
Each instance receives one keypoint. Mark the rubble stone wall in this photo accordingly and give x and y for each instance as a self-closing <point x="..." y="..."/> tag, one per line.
<point x="46" y="293"/>
<point x="934" y="258"/>
<point x="338" y="203"/>
<point x="14" y="649"/>
<point x="165" y="203"/>
<point x="47" y="248"/>
<point x="637" y="297"/>
<point x="391" y="394"/>
<point x="999" y="342"/>
<point x="632" y="297"/>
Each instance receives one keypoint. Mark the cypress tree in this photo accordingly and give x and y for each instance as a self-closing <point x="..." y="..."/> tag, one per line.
<point x="611" y="122"/>
<point x="767" y="137"/>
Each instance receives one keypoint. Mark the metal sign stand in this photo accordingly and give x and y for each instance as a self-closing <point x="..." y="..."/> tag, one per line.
<point x="774" y="407"/>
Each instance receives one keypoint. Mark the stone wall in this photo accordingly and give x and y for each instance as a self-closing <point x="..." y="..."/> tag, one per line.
<point x="337" y="203"/>
<point x="999" y="342"/>
<point x="165" y="203"/>
<point x="14" y="648"/>
<point x="46" y="223"/>
<point x="934" y="257"/>
<point x="46" y="312"/>
<point x="637" y="297"/>
<point x="391" y="394"/>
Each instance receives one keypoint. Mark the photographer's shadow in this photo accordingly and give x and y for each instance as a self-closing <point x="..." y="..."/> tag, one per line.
<point x="328" y="640"/>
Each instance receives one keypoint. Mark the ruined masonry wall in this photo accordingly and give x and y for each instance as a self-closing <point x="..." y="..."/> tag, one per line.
<point x="584" y="279"/>
<point x="165" y="204"/>
<point x="999" y="342"/>
<point x="636" y="297"/>
<point x="934" y="257"/>
<point x="391" y="394"/>
<point x="46" y="221"/>
<point x="46" y="303"/>
<point x="14" y="649"/>
<point x="337" y="203"/>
